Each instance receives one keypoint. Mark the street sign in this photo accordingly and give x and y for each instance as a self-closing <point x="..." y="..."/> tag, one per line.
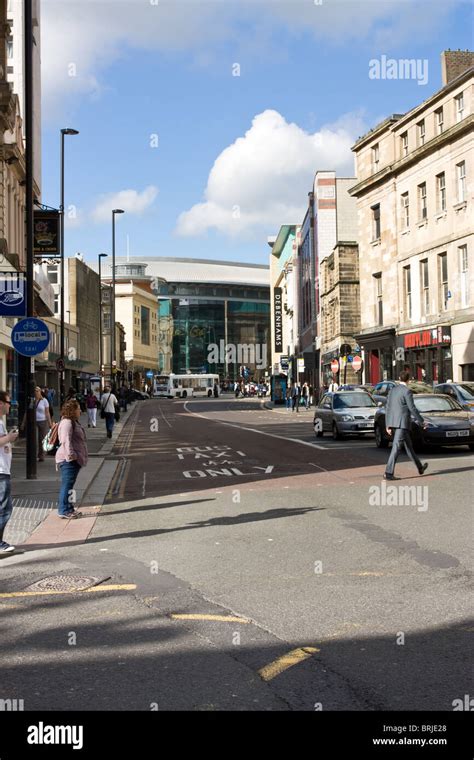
<point x="350" y="358"/>
<point x="30" y="336"/>
<point x="149" y="373"/>
<point x="356" y="363"/>
<point x="12" y="294"/>
<point x="300" y="364"/>
<point x="334" y="365"/>
<point x="60" y="365"/>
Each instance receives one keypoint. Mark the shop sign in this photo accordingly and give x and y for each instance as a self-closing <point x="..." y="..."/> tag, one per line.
<point x="277" y="314"/>
<point x="46" y="233"/>
<point x="423" y="338"/>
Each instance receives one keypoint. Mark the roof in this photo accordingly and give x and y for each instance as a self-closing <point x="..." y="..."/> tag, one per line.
<point x="198" y="270"/>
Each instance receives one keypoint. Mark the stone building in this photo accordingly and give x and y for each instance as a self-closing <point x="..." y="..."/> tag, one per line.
<point x="340" y="309"/>
<point x="415" y="211"/>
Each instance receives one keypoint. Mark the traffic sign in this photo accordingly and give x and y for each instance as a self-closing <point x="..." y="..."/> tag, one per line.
<point x="149" y="373"/>
<point x="60" y="365"/>
<point x="30" y="336"/>
<point x="356" y="363"/>
<point x="334" y="365"/>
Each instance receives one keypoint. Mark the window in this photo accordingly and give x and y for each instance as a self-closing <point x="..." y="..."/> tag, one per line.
<point x="425" y="287"/>
<point x="378" y="299"/>
<point x="464" y="269"/>
<point x="461" y="181"/>
<point x="376" y="222"/>
<point x="422" y="207"/>
<point x="52" y="274"/>
<point x="145" y="325"/>
<point x="10" y="47"/>
<point x="407" y="288"/>
<point x="459" y="101"/>
<point x="375" y="158"/>
<point x="106" y="322"/>
<point x="405" y="211"/>
<point x="439" y="121"/>
<point x="404" y="144"/>
<point x="443" y="281"/>
<point x="441" y="191"/>
<point x="56" y="303"/>
<point x="421" y="132"/>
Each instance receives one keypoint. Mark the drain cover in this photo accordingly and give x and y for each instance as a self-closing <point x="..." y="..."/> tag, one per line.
<point x="67" y="583"/>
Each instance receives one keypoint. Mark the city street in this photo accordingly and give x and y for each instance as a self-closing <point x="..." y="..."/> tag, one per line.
<point x="241" y="563"/>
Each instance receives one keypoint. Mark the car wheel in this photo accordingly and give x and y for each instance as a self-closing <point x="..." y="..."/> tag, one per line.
<point x="209" y="394"/>
<point x="471" y="446"/>
<point x="381" y="440"/>
<point x="335" y="432"/>
<point x="184" y="394"/>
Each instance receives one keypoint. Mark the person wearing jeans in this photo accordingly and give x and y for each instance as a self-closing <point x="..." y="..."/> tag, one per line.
<point x="70" y="457"/>
<point x="6" y="439"/>
<point x="108" y="404"/>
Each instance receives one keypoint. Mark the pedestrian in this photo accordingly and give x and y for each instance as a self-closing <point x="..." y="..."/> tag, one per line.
<point x="400" y="409"/>
<point x="295" y="396"/>
<point x="216" y="390"/>
<point x="91" y="406"/>
<point x="305" y="394"/>
<point x="43" y="420"/>
<point x="311" y="395"/>
<point x="47" y="396"/>
<point x="288" y="398"/>
<point x="123" y="397"/>
<point x="109" y="404"/>
<point x="70" y="457"/>
<point x="333" y="387"/>
<point x="6" y="440"/>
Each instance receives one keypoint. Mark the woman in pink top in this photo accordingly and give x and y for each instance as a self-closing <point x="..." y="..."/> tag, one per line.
<point x="71" y="456"/>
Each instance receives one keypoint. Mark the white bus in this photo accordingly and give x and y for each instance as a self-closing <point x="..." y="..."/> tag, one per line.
<point x="160" y="386"/>
<point x="183" y="386"/>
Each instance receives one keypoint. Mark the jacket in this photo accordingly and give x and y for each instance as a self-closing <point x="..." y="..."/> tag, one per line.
<point x="72" y="439"/>
<point x="401" y="408"/>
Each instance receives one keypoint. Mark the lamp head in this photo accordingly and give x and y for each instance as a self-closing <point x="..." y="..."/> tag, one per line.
<point x="118" y="211"/>
<point x="69" y="131"/>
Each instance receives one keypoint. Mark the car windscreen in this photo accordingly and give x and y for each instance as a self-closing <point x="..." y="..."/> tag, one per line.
<point x="436" y="403"/>
<point x="466" y="391"/>
<point x="352" y="400"/>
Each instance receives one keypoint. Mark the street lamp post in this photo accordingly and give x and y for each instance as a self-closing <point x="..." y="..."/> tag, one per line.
<point x="64" y="132"/>
<point x="112" y="322"/>
<point x="101" y="358"/>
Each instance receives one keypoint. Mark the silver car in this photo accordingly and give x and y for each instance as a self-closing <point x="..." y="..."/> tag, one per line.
<point x="345" y="413"/>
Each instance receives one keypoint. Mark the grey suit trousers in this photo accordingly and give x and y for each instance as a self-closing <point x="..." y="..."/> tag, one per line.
<point x="401" y="439"/>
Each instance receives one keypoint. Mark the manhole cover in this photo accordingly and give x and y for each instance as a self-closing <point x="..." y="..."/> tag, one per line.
<point x="67" y="583"/>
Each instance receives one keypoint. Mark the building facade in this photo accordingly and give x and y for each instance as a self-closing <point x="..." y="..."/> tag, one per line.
<point x="414" y="202"/>
<point x="283" y="292"/>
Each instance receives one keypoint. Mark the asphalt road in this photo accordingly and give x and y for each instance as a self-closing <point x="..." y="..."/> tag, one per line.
<point x="271" y="570"/>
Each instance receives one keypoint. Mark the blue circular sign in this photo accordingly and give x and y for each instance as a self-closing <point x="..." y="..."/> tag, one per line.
<point x="30" y="336"/>
<point x="149" y="373"/>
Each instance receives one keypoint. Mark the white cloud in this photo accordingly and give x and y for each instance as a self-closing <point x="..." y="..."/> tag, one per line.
<point x="131" y="201"/>
<point x="263" y="178"/>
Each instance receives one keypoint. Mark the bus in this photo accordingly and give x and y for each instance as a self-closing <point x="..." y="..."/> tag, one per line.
<point x="160" y="386"/>
<point x="183" y="386"/>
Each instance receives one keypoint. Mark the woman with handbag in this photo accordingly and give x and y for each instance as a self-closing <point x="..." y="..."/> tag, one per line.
<point x="71" y="456"/>
<point x="109" y="409"/>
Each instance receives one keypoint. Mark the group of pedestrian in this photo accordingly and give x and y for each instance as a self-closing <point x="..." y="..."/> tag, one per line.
<point x="298" y="395"/>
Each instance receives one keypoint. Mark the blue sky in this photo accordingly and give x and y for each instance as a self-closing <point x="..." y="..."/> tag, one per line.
<point x="130" y="75"/>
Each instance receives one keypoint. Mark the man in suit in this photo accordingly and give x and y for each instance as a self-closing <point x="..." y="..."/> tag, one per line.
<point x="400" y="408"/>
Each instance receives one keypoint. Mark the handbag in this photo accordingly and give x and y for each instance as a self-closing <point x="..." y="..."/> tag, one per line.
<point x="117" y="414"/>
<point x="51" y="440"/>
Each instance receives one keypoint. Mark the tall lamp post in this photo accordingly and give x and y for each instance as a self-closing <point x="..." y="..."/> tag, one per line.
<point x="101" y="358"/>
<point x="112" y="322"/>
<point x="64" y="132"/>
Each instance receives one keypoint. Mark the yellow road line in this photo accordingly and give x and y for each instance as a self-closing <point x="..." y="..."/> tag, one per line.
<point x="113" y="587"/>
<point x="221" y="618"/>
<point x="286" y="661"/>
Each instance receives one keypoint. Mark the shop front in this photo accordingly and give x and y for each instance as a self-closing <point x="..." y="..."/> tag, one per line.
<point x="427" y="354"/>
<point x="378" y="353"/>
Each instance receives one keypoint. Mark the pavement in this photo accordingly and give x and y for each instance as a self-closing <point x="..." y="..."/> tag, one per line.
<point x="239" y="563"/>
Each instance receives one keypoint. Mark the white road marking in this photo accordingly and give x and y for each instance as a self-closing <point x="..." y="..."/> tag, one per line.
<point x="144" y="484"/>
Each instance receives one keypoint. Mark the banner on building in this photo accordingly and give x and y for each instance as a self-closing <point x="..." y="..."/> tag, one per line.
<point x="46" y="233"/>
<point x="12" y="294"/>
<point x="277" y="315"/>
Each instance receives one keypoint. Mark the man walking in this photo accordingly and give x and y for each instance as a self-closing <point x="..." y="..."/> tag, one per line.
<point x="400" y="409"/>
<point x="6" y="506"/>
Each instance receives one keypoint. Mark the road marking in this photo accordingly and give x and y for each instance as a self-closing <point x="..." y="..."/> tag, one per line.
<point x="144" y="484"/>
<point x="167" y="421"/>
<point x="221" y="618"/>
<point x="113" y="587"/>
<point x="286" y="661"/>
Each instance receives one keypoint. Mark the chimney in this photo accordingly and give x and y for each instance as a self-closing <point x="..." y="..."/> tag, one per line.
<point x="454" y="63"/>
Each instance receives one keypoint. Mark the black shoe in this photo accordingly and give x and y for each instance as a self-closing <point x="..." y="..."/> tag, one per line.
<point x="424" y="467"/>
<point x="389" y="477"/>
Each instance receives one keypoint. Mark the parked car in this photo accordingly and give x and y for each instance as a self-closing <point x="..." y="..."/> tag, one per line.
<point x="354" y="387"/>
<point x="139" y="395"/>
<point x="448" y="423"/>
<point x="344" y="413"/>
<point x="382" y="389"/>
<point x="462" y="392"/>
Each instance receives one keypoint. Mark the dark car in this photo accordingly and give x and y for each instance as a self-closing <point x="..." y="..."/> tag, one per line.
<point x="345" y="413"/>
<point x="381" y="390"/>
<point x="462" y="392"/>
<point x="448" y="423"/>
<point x="139" y="395"/>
